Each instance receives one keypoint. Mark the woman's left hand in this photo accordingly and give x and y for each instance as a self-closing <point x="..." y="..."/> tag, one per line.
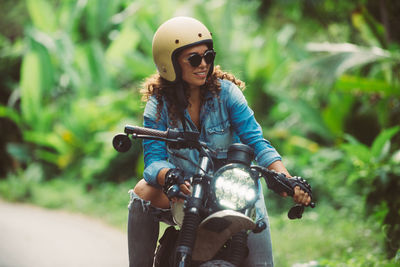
<point x="300" y="197"/>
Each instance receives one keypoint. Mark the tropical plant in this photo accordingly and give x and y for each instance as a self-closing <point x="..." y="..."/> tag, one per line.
<point x="348" y="97"/>
<point x="322" y="78"/>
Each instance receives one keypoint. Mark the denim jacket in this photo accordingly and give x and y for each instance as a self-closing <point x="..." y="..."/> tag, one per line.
<point x="224" y="120"/>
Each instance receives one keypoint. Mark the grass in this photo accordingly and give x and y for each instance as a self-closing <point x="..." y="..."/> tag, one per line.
<point x="323" y="237"/>
<point x="328" y="237"/>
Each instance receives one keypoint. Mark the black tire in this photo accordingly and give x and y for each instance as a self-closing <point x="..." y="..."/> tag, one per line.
<point x="165" y="250"/>
<point x="217" y="263"/>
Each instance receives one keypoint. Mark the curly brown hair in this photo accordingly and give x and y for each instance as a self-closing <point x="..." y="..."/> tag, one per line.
<point x="162" y="90"/>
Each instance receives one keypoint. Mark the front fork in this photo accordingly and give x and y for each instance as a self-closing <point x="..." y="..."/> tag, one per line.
<point x="239" y="249"/>
<point x="191" y="220"/>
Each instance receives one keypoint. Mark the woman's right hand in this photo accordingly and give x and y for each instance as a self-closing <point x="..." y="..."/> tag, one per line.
<point x="173" y="177"/>
<point x="186" y="189"/>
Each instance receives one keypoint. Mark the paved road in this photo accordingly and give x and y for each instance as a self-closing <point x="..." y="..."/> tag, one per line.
<point x="36" y="237"/>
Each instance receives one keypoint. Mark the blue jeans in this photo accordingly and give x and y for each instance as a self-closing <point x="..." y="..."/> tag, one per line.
<point x="143" y="230"/>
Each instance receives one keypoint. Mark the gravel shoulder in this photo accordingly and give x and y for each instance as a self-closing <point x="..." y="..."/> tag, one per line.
<point x="32" y="236"/>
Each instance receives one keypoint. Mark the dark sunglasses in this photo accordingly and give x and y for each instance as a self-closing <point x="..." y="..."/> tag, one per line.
<point x="195" y="59"/>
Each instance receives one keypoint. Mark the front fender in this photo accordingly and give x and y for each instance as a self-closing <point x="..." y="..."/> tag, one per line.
<point x="216" y="229"/>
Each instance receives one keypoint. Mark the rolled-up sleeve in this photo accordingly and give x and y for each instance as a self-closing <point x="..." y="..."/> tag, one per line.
<point x="155" y="152"/>
<point x="247" y="128"/>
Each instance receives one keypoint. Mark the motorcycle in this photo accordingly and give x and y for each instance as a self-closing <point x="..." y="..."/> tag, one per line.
<point x="215" y="219"/>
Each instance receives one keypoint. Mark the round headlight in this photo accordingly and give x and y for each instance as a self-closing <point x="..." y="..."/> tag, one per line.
<point x="234" y="187"/>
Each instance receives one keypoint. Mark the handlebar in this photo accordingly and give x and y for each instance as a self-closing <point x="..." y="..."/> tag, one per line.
<point x="122" y="143"/>
<point x="170" y="135"/>
<point x="146" y="131"/>
<point x="174" y="137"/>
<point x="277" y="182"/>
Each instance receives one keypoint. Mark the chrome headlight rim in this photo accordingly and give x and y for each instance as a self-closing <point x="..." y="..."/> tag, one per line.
<point x="249" y="185"/>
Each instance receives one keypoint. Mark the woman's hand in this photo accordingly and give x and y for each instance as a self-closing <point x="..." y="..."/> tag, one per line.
<point x="186" y="189"/>
<point x="300" y="196"/>
<point x="169" y="179"/>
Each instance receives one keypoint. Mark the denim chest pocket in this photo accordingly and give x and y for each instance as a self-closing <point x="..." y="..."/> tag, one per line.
<point x="220" y="136"/>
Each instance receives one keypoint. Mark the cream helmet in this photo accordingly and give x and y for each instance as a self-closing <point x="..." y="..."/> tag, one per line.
<point x="173" y="36"/>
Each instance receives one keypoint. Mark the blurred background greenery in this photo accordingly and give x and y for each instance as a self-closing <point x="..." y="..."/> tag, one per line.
<point x="323" y="77"/>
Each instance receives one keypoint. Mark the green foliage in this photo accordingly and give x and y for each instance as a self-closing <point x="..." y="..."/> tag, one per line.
<point x="371" y="174"/>
<point x="371" y="162"/>
<point x="18" y="186"/>
<point x="330" y="242"/>
<point x="70" y="106"/>
<point x="322" y="78"/>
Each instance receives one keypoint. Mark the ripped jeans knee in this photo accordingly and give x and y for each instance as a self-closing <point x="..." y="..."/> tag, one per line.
<point x="134" y="197"/>
<point x="162" y="215"/>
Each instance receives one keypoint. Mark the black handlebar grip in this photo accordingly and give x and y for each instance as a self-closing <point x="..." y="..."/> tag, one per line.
<point x="296" y="212"/>
<point x="145" y="131"/>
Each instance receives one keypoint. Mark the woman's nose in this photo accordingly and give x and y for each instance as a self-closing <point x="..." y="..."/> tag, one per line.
<point x="203" y="62"/>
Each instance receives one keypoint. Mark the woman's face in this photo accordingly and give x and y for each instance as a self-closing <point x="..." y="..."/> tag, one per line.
<point x="194" y="76"/>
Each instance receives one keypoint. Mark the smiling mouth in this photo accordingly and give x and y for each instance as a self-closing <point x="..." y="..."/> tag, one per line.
<point x="201" y="74"/>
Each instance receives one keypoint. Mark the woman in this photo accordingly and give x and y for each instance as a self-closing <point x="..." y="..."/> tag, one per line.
<point x="190" y="94"/>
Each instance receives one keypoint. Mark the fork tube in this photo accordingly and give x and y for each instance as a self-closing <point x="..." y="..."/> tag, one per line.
<point x="191" y="221"/>
<point x="204" y="164"/>
<point x="197" y="186"/>
<point x="248" y="212"/>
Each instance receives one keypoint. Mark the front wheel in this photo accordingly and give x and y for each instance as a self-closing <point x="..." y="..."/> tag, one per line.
<point x="166" y="248"/>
